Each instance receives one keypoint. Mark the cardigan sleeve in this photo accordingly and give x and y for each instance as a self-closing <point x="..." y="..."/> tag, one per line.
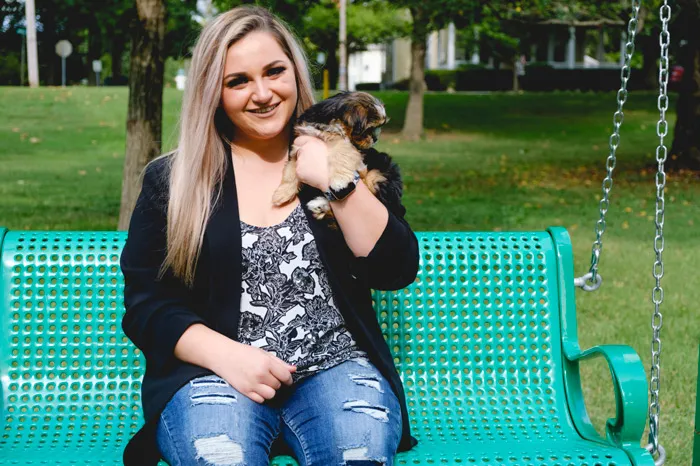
<point x="393" y="262"/>
<point x="157" y="309"/>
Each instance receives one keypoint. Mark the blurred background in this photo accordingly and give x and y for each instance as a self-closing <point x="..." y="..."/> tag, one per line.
<point x="501" y="119"/>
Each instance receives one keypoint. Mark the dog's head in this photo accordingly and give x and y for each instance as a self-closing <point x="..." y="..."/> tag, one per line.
<point x="360" y="114"/>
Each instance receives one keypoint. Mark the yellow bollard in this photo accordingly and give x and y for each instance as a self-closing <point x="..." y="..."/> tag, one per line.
<point x="325" y="84"/>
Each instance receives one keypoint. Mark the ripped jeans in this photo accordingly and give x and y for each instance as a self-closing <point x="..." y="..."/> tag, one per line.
<point x="344" y="416"/>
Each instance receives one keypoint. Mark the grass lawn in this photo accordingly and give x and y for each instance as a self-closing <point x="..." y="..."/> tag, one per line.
<point x="489" y="162"/>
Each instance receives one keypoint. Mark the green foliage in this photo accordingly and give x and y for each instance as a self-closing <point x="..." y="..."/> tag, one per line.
<point x="95" y="29"/>
<point x="441" y="80"/>
<point x="291" y="11"/>
<point x="373" y="23"/>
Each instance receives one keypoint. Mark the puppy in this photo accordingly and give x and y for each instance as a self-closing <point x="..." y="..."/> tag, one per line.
<point x="350" y="124"/>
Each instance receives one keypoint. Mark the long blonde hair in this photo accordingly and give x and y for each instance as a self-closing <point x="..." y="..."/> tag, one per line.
<point x="199" y="163"/>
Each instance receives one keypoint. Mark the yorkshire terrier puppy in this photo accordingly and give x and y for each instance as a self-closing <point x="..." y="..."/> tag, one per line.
<point x="350" y="124"/>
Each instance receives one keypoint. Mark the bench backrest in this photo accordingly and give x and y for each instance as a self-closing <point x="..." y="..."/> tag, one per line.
<point x="476" y="339"/>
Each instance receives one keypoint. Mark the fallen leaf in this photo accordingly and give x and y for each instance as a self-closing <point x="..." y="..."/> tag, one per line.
<point x="82" y="172"/>
<point x="628" y="209"/>
<point x="98" y="169"/>
<point x="15" y="130"/>
<point x="34" y="140"/>
<point x="20" y="182"/>
<point x="625" y="225"/>
<point x="23" y="136"/>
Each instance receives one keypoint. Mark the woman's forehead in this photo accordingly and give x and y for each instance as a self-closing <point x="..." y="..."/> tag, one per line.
<point x="253" y="52"/>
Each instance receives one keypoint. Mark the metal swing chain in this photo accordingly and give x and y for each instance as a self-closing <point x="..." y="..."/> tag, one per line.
<point x="592" y="280"/>
<point x="657" y="294"/>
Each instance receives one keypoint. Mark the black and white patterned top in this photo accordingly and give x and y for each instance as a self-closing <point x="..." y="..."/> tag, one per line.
<point x="287" y="305"/>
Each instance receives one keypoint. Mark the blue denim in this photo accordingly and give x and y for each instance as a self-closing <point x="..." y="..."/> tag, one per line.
<point x="346" y="416"/>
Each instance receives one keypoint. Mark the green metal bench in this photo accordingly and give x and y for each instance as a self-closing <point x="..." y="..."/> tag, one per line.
<point x="485" y="340"/>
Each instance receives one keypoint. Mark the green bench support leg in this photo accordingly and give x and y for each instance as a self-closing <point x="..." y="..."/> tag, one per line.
<point x="696" y="434"/>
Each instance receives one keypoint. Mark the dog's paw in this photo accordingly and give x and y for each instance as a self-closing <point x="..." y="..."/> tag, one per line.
<point x="284" y="194"/>
<point x="319" y="207"/>
<point x="373" y="179"/>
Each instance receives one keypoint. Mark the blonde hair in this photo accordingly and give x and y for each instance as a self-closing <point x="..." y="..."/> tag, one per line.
<point x="198" y="165"/>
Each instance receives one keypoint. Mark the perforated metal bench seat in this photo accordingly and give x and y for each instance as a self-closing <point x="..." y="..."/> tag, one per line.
<point x="485" y="341"/>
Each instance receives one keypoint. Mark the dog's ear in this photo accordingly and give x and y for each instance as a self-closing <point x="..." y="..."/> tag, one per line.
<point x="357" y="121"/>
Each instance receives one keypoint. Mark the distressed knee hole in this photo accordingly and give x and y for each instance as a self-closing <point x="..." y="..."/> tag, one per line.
<point x="379" y="413"/>
<point x="362" y="362"/>
<point x="371" y="381"/>
<point x="213" y="399"/>
<point x="218" y="451"/>
<point x="359" y="456"/>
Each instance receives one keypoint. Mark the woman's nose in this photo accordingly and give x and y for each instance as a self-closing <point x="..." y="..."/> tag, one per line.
<point x="262" y="91"/>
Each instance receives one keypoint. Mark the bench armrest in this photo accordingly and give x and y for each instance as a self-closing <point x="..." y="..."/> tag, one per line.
<point x="630" y="384"/>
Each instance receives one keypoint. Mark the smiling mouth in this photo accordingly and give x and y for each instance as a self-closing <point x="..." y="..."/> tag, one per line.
<point x="265" y="109"/>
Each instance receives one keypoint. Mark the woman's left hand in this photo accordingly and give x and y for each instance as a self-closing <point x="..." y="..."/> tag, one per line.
<point x="312" y="162"/>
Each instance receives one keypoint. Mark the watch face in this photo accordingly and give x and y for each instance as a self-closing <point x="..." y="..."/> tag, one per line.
<point x="343" y="193"/>
<point x="340" y="194"/>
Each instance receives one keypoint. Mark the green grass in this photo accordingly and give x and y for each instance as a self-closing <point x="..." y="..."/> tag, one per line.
<point x="489" y="162"/>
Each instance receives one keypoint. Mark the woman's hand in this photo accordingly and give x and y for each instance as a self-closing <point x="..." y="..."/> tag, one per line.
<point x="252" y="371"/>
<point x="312" y="162"/>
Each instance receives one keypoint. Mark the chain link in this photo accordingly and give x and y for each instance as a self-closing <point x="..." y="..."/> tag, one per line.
<point x="657" y="295"/>
<point x="591" y="279"/>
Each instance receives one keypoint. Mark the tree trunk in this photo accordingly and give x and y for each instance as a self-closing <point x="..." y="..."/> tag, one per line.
<point x="413" y="123"/>
<point x="649" y="46"/>
<point x="94" y="51"/>
<point x="144" y="119"/>
<point x="685" y="151"/>
<point x="118" y="45"/>
<point x="332" y="65"/>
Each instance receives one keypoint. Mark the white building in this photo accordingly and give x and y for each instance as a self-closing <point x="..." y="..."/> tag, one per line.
<point x="559" y="43"/>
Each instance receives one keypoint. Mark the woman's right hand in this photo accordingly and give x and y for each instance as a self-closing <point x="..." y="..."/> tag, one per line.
<point x="252" y="371"/>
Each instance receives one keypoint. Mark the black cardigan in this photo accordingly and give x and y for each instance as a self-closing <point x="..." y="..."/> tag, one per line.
<point x="159" y="311"/>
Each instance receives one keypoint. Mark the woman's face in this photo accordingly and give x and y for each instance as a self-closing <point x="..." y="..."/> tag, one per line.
<point x="259" y="91"/>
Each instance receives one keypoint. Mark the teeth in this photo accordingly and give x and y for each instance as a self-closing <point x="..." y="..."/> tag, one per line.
<point x="265" y="110"/>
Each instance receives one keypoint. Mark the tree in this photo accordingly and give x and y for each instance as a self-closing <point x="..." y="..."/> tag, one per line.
<point x="145" y="113"/>
<point x="428" y="16"/>
<point x="685" y="151"/>
<point x="374" y="23"/>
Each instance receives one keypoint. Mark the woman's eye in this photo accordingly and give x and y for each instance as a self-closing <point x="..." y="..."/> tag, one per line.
<point x="278" y="70"/>
<point x="235" y="82"/>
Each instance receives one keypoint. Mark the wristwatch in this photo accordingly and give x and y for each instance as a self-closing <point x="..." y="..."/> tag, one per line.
<point x="342" y="193"/>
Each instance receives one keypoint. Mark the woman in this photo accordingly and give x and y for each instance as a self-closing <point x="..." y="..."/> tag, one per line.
<point x="256" y="321"/>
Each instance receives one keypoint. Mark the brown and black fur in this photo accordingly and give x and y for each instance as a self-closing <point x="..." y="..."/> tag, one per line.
<point x="349" y="123"/>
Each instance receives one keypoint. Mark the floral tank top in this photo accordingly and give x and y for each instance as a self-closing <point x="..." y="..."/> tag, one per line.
<point x="287" y="305"/>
